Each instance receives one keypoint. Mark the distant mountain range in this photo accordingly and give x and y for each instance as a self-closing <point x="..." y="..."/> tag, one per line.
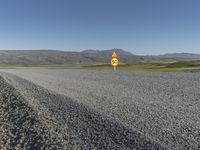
<point x="86" y="57"/>
<point x="181" y="55"/>
<point x="55" y="57"/>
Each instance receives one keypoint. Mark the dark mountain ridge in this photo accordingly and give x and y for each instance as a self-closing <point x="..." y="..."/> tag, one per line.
<point x="86" y="57"/>
<point x="52" y="57"/>
<point x="181" y="55"/>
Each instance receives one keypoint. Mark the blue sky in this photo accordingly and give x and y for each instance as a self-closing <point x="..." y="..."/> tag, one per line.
<point x="139" y="26"/>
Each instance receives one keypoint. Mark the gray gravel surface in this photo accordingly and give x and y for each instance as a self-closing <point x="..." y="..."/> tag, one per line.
<point x="163" y="107"/>
<point x="22" y="128"/>
<point x="94" y="130"/>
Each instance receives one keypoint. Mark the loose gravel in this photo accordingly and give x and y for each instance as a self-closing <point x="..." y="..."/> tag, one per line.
<point x="22" y="128"/>
<point x="160" y="106"/>
<point x="94" y="130"/>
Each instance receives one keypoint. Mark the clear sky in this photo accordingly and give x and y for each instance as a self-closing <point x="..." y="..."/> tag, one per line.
<point x="139" y="26"/>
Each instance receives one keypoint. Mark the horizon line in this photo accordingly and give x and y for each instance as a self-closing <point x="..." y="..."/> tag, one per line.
<point x="49" y="49"/>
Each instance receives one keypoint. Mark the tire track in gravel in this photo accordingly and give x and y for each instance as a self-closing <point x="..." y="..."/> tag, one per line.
<point x="94" y="130"/>
<point x="22" y="128"/>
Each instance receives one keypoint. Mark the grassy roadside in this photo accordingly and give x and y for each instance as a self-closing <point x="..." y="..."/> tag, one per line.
<point x="178" y="66"/>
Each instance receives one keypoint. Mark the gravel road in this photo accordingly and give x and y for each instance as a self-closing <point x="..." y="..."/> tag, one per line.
<point x="21" y="127"/>
<point x="122" y="110"/>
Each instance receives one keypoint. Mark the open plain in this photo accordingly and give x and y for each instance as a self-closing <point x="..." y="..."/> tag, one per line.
<point x="105" y="109"/>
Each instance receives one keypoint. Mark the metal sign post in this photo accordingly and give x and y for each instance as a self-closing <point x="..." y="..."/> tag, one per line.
<point x="114" y="68"/>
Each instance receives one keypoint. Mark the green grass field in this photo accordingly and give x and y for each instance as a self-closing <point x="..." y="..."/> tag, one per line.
<point x="178" y="66"/>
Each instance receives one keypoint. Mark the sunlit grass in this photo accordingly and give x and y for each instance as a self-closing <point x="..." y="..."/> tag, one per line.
<point x="179" y="66"/>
